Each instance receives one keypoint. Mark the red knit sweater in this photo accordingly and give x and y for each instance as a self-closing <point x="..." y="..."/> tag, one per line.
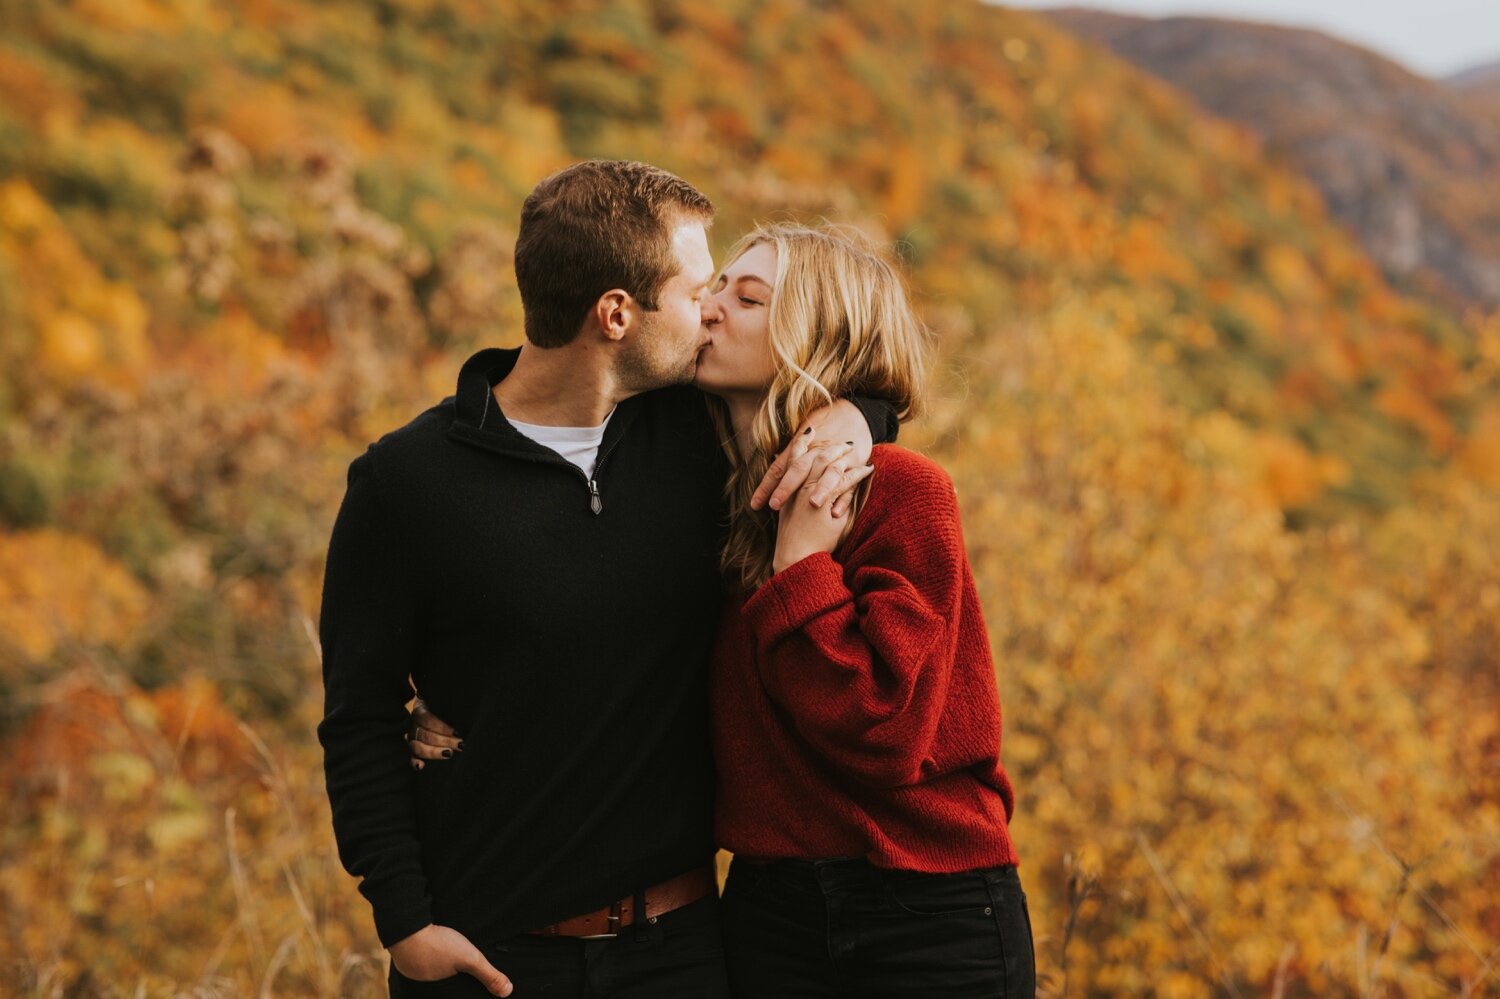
<point x="854" y="702"/>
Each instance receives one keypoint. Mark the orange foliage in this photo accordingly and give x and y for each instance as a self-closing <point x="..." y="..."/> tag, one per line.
<point x="153" y="822"/>
<point x="27" y="91"/>
<point x="155" y="16"/>
<point x="1293" y="475"/>
<point x="265" y="116"/>
<point x="1480" y="455"/>
<point x="1416" y="408"/>
<point x="183" y="728"/>
<point x="1145" y="253"/>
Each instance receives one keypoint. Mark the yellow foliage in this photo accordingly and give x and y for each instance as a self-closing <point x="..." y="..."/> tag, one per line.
<point x="23" y="213"/>
<point x="136" y="15"/>
<point x="70" y="346"/>
<point x="58" y="591"/>
<point x="87" y="325"/>
<point x="1228" y="723"/>
<point x="1289" y="273"/>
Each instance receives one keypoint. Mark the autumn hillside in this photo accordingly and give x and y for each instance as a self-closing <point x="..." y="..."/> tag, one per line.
<point x="1409" y="164"/>
<point x="1229" y="497"/>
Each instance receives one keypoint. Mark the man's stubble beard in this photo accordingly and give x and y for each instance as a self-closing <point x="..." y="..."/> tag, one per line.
<point x="644" y="366"/>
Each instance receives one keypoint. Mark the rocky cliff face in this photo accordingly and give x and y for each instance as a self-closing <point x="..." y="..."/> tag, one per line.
<point x="1411" y="164"/>
<point x="1479" y="88"/>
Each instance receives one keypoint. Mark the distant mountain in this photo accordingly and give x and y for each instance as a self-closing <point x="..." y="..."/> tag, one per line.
<point x="1485" y="77"/>
<point x="1479" y="87"/>
<point x="1411" y="164"/>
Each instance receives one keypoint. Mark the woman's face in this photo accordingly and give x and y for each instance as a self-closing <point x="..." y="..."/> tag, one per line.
<point x="738" y="358"/>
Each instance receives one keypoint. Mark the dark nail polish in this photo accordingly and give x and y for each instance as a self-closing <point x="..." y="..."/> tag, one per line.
<point x="808" y="430"/>
<point x="447" y="753"/>
<point x="850" y="443"/>
<point x="460" y="745"/>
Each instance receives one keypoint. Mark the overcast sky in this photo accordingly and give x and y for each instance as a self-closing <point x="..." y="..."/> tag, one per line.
<point x="1433" y="37"/>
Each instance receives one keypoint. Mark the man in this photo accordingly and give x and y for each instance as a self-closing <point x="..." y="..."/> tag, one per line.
<point x="539" y="555"/>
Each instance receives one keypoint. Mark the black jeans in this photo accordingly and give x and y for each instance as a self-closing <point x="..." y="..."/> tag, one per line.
<point x="680" y="956"/>
<point x="795" y="929"/>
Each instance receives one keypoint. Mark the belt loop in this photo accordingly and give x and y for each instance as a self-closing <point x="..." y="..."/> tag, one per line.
<point x="614" y="918"/>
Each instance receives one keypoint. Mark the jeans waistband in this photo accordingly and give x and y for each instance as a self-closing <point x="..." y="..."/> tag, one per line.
<point x="856" y="871"/>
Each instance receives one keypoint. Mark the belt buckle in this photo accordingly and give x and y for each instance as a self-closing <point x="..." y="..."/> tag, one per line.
<point x="614" y="925"/>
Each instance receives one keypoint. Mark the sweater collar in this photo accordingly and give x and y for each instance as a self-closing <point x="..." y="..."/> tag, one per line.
<point x="474" y="397"/>
<point x="479" y="421"/>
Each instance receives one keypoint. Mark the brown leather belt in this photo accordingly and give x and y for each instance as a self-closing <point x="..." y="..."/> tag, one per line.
<point x="671" y="894"/>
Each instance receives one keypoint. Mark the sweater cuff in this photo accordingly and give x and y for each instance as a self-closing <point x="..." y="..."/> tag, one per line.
<point x="796" y="595"/>
<point x="881" y="416"/>
<point x="400" y="911"/>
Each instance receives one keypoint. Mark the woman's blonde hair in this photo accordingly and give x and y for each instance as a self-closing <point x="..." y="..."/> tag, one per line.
<point x="839" y="325"/>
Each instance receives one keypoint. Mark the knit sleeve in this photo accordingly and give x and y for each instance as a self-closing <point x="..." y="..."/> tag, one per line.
<point x="860" y="655"/>
<point x="368" y="633"/>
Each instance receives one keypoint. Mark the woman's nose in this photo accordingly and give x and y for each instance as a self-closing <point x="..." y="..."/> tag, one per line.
<point x="712" y="311"/>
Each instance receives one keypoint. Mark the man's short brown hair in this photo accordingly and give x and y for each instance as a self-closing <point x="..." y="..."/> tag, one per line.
<point x="598" y="225"/>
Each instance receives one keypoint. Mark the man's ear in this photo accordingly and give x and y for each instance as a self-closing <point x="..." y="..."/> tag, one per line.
<point x="615" y="313"/>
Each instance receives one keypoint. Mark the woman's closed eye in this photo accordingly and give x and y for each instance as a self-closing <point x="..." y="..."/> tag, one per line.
<point x="747" y="300"/>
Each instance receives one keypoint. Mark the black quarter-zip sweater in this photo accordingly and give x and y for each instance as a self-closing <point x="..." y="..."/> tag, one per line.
<point x="562" y="624"/>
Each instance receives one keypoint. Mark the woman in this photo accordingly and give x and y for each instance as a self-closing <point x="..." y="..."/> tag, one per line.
<point x="856" y="720"/>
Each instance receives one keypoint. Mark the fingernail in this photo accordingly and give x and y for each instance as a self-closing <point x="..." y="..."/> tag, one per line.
<point x="447" y="753"/>
<point x="460" y="745"/>
<point x="850" y="443"/>
<point x="808" y="430"/>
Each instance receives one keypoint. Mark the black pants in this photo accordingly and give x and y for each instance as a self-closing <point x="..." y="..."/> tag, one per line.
<point x="796" y="929"/>
<point x="680" y="956"/>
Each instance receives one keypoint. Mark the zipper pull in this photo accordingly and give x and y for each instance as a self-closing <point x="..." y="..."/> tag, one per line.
<point x="595" y="503"/>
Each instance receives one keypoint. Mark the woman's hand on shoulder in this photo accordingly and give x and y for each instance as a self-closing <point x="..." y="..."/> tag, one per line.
<point x="831" y="441"/>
